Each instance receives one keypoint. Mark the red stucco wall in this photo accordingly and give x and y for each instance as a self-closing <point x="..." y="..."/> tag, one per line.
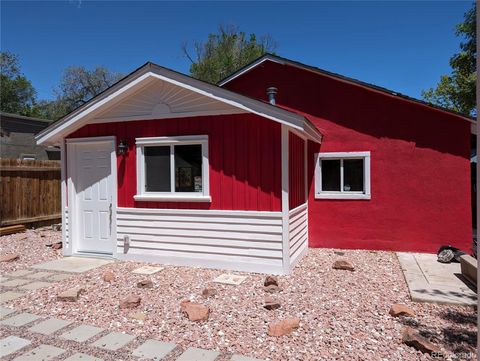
<point x="244" y="159"/>
<point x="420" y="170"/>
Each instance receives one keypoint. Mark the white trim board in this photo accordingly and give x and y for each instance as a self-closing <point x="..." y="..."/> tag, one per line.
<point x="150" y="73"/>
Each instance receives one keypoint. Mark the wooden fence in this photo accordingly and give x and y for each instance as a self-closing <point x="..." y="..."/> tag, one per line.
<point x="30" y="191"/>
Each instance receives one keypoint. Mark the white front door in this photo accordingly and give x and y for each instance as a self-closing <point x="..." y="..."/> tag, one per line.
<point x="94" y="187"/>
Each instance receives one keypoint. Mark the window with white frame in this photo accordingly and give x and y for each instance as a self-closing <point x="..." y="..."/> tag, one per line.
<point x="344" y="175"/>
<point x="172" y="168"/>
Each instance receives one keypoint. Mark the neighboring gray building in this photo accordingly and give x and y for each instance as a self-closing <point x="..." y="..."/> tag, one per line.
<point x="17" y="138"/>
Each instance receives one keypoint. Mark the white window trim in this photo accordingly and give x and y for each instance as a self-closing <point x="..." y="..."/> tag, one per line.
<point x="319" y="194"/>
<point x="142" y="195"/>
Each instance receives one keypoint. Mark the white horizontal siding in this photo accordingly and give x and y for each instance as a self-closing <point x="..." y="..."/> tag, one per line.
<point x="298" y="232"/>
<point x="246" y="241"/>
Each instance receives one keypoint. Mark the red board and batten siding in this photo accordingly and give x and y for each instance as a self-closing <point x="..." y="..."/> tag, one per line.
<point x="296" y="160"/>
<point x="420" y="162"/>
<point x="244" y="159"/>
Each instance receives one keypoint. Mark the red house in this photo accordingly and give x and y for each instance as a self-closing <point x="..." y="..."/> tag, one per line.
<point x="246" y="175"/>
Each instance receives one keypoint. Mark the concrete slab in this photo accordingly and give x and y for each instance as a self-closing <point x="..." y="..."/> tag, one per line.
<point x="113" y="341"/>
<point x="243" y="358"/>
<point x="12" y="344"/>
<point x="15" y="282"/>
<point x="229" y="279"/>
<point x="82" y="357"/>
<point x="153" y="350"/>
<point x="147" y="270"/>
<point x="50" y="326"/>
<point x="20" y="320"/>
<point x="35" y="285"/>
<point x="435" y="282"/>
<point x="59" y="277"/>
<point x="73" y="264"/>
<point x="39" y="275"/>
<point x="41" y="353"/>
<point x="81" y="333"/>
<point x="198" y="354"/>
<point x="5" y="311"/>
<point x="19" y="273"/>
<point x="10" y="295"/>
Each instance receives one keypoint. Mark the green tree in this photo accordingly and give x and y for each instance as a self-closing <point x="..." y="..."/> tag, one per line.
<point x="17" y="94"/>
<point x="77" y="86"/>
<point x="225" y="52"/>
<point x="457" y="90"/>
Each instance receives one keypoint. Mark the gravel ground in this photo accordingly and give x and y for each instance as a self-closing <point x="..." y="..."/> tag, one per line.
<point x="344" y="315"/>
<point x="30" y="246"/>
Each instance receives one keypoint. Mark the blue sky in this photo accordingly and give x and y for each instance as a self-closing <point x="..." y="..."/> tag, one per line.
<point x="403" y="46"/>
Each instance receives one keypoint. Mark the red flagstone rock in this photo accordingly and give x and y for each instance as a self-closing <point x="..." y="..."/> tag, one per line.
<point x="194" y="311"/>
<point x="57" y="245"/>
<point x="131" y="301"/>
<point x="8" y="257"/>
<point x="108" y="276"/>
<point x="411" y="338"/>
<point x="271" y="304"/>
<point x="401" y="310"/>
<point x="70" y="295"/>
<point x="283" y="327"/>
<point x="270" y="280"/>
<point x="272" y="289"/>
<point x="145" y="284"/>
<point x="209" y="292"/>
<point x="343" y="264"/>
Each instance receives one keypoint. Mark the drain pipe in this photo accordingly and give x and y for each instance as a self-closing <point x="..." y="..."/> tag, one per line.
<point x="271" y="93"/>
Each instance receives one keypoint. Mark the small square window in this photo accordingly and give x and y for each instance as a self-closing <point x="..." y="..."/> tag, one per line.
<point x="343" y="175"/>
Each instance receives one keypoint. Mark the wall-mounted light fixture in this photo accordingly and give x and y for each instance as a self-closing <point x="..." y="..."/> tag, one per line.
<point x="122" y="147"/>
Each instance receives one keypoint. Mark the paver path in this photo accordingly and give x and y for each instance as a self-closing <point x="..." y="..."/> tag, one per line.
<point x="25" y="337"/>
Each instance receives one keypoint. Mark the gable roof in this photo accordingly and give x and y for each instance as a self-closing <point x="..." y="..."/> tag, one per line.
<point x="372" y="87"/>
<point x="150" y="73"/>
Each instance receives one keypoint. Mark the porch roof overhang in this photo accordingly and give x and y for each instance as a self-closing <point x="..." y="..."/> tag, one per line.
<point x="155" y="92"/>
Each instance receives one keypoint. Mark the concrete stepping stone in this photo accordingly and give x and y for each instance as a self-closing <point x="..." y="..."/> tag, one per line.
<point x="20" y="319"/>
<point x="5" y="311"/>
<point x="19" y="273"/>
<point x="15" y="282"/>
<point x="81" y="333"/>
<point x="243" y="358"/>
<point x="59" y="277"/>
<point x="12" y="344"/>
<point x="50" y="326"/>
<point x="35" y="285"/>
<point x="39" y="275"/>
<point x="113" y="341"/>
<point x="41" y="353"/>
<point x="10" y="295"/>
<point x="147" y="270"/>
<point x="82" y="357"/>
<point x="153" y="349"/>
<point x="198" y="354"/>
<point x="230" y="279"/>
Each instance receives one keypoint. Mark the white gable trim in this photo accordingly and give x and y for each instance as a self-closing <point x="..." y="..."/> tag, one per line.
<point x="82" y="117"/>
